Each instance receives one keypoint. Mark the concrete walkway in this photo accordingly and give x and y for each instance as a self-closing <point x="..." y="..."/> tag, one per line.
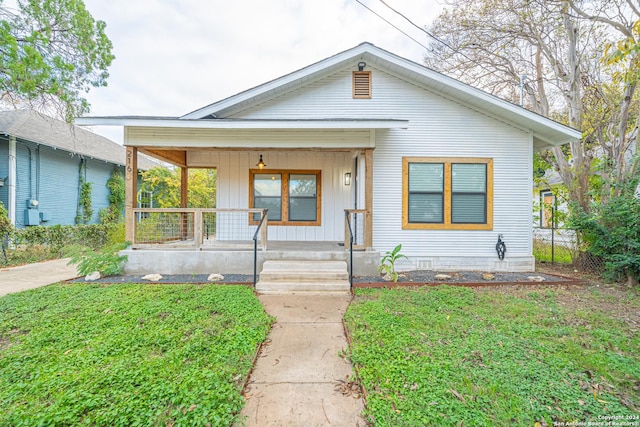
<point x="30" y="276"/>
<point x="294" y="382"/>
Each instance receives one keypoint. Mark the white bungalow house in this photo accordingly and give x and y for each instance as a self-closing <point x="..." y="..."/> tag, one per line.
<point x="414" y="157"/>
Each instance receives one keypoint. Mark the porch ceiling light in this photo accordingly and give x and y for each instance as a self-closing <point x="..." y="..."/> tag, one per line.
<point x="347" y="178"/>
<point x="260" y="163"/>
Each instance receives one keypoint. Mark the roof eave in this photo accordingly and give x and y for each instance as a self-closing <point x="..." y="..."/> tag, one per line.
<point x="245" y="124"/>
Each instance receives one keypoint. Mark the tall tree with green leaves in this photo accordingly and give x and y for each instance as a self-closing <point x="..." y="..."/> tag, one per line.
<point x="165" y="186"/>
<point x="51" y="53"/>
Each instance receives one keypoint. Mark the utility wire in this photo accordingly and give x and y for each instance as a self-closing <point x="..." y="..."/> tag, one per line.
<point x="390" y="23"/>
<point x="490" y="71"/>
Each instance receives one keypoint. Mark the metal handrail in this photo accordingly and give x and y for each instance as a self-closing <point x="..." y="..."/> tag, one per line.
<point x="348" y="219"/>
<point x="265" y="212"/>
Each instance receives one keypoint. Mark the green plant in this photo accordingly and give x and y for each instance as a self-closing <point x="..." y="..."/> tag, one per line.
<point x="6" y="228"/>
<point x="388" y="263"/>
<point x="107" y="261"/>
<point x="113" y="213"/>
<point x="85" y="208"/>
<point x="612" y="231"/>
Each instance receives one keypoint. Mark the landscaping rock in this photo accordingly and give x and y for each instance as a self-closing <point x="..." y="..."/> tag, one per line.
<point x="488" y="276"/>
<point x="92" y="277"/>
<point x="152" y="277"/>
<point x="442" y="277"/>
<point x="215" y="277"/>
<point x="536" y="278"/>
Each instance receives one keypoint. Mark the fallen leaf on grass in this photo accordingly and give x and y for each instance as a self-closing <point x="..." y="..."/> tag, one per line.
<point x="458" y="395"/>
<point x="349" y="388"/>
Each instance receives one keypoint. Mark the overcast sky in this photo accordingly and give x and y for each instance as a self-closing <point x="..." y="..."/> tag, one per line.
<point x="175" y="56"/>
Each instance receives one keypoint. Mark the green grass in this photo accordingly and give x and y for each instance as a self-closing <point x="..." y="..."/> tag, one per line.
<point x="28" y="255"/>
<point x="125" y="355"/>
<point x="561" y="253"/>
<point x="459" y="357"/>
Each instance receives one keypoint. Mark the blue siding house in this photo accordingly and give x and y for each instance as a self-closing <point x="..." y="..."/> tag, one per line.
<point x="51" y="156"/>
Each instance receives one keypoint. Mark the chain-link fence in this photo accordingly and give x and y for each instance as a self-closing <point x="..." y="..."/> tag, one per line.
<point x="563" y="246"/>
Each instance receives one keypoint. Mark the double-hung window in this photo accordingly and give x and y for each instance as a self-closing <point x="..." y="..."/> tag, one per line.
<point x="292" y="196"/>
<point x="447" y="193"/>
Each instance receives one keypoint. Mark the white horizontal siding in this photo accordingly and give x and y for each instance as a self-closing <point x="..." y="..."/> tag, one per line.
<point x="233" y="185"/>
<point x="438" y="127"/>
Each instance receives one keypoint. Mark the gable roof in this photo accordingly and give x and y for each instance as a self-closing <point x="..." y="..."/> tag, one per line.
<point x="546" y="132"/>
<point x="33" y="126"/>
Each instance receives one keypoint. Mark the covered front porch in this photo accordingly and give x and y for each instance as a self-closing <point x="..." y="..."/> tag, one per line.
<point x="302" y="193"/>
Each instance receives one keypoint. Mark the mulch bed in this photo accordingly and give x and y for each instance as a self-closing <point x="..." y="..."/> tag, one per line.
<point x="409" y="278"/>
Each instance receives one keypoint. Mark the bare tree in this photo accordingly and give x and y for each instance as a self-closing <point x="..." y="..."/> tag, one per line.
<point x="557" y="45"/>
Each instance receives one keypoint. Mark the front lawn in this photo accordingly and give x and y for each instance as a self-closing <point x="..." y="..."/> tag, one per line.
<point x="124" y="355"/>
<point x="451" y="356"/>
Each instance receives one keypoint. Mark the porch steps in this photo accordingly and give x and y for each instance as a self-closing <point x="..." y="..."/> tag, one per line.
<point x="281" y="277"/>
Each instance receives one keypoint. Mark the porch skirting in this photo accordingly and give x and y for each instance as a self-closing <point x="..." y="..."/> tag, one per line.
<point x="365" y="263"/>
<point x="476" y="263"/>
<point x="145" y="261"/>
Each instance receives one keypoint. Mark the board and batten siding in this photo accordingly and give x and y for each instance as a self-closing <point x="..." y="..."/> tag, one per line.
<point x="438" y="127"/>
<point x="233" y="185"/>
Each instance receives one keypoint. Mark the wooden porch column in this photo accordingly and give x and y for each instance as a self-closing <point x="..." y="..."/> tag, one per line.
<point x="368" y="197"/>
<point x="131" y="192"/>
<point x="184" y="202"/>
<point x="184" y="187"/>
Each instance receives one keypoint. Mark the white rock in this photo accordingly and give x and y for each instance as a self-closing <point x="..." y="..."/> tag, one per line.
<point x="92" y="277"/>
<point x="536" y="278"/>
<point x="442" y="277"/>
<point x="152" y="277"/>
<point x="215" y="277"/>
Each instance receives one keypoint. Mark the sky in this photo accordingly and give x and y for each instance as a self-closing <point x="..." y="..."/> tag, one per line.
<point x="175" y="56"/>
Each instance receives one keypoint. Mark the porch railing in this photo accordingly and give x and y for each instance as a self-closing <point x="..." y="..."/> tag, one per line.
<point x="349" y="230"/>
<point x="261" y="226"/>
<point x="191" y="228"/>
<point x="358" y="220"/>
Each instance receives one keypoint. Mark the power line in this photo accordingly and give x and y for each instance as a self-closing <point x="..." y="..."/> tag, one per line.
<point x="390" y="23"/>
<point x="490" y="71"/>
<point x="422" y="29"/>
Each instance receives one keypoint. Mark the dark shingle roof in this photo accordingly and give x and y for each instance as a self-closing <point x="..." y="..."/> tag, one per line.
<point x="39" y="128"/>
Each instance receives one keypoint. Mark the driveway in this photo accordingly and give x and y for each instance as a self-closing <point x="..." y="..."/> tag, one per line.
<point x="30" y="276"/>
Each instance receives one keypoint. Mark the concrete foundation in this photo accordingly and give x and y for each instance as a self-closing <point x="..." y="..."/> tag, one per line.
<point x="174" y="261"/>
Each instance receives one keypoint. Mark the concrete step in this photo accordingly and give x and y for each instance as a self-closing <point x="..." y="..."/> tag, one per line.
<point x="303" y="276"/>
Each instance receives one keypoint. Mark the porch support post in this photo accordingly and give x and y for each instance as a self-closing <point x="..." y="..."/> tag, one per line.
<point x="184" y="202"/>
<point x="184" y="187"/>
<point x="368" y="198"/>
<point x="131" y="191"/>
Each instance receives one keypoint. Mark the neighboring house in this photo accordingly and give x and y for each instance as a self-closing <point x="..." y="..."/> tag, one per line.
<point x="41" y="160"/>
<point x="435" y="165"/>
<point x="546" y="204"/>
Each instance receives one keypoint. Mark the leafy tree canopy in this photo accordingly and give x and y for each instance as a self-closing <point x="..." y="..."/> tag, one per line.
<point x="51" y="53"/>
<point x="165" y="185"/>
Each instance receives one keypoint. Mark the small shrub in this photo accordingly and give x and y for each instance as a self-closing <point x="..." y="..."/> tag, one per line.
<point x="107" y="261"/>
<point x="612" y="231"/>
<point x="388" y="263"/>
